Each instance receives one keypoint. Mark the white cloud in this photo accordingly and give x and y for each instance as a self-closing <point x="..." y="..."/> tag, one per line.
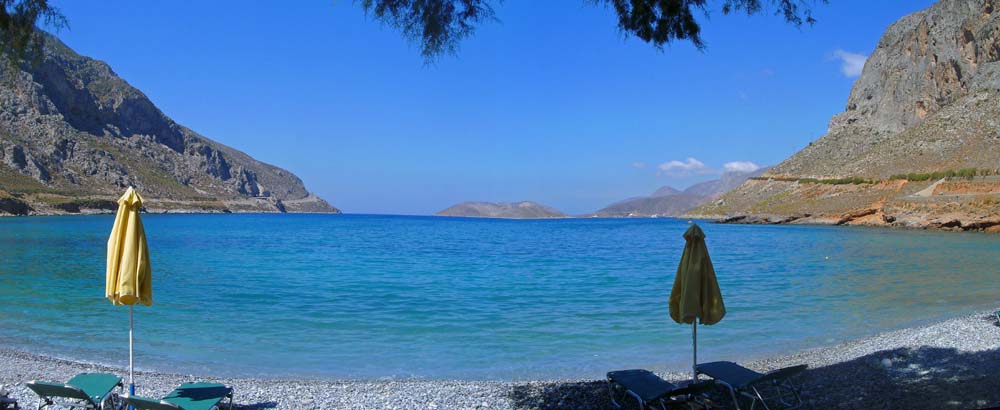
<point x="639" y="165"/>
<point x="851" y="64"/>
<point x="689" y="167"/>
<point x="741" y="166"/>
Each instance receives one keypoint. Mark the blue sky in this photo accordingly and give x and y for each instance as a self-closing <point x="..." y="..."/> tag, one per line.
<point x="550" y="104"/>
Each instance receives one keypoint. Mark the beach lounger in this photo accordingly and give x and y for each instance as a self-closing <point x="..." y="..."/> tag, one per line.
<point x="7" y="403"/>
<point x="773" y="390"/>
<point x="650" y="390"/>
<point x="188" y="396"/>
<point x="83" y="391"/>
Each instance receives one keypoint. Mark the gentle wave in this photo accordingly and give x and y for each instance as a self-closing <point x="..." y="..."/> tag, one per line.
<point x="354" y="296"/>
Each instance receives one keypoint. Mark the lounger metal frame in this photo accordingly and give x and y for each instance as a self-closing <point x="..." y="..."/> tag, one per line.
<point x="7" y="403"/>
<point x="663" y="402"/>
<point x="228" y="396"/>
<point x="174" y="406"/>
<point x="783" y="390"/>
<point x="111" y="397"/>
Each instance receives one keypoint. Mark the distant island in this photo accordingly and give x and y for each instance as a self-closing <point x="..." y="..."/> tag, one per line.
<point x="668" y="201"/>
<point x="74" y="135"/>
<point x="508" y="210"/>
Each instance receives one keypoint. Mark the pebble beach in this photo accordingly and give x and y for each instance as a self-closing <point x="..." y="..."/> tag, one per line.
<point x="946" y="365"/>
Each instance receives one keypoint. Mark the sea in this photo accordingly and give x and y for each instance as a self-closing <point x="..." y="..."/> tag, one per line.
<point x="375" y="296"/>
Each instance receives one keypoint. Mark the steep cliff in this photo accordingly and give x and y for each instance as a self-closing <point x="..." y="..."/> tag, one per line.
<point x="73" y="135"/>
<point x="922" y="123"/>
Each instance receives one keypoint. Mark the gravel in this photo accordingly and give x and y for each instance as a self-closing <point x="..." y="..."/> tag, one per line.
<point x="947" y="365"/>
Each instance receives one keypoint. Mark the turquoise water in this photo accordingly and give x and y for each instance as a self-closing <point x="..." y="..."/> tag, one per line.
<point x="352" y="296"/>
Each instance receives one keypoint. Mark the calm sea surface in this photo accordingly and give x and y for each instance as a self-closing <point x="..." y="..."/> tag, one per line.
<point x="389" y="296"/>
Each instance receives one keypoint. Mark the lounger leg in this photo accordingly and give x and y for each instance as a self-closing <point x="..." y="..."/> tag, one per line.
<point x="758" y="397"/>
<point x="611" y="394"/>
<point x="117" y="402"/>
<point x="797" y="403"/>
<point x="642" y="403"/>
<point x="732" y="393"/>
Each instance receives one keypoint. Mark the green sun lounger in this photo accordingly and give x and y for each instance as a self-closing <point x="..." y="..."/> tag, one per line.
<point x="83" y="391"/>
<point x="649" y="390"/>
<point x="772" y="390"/>
<point x="188" y="396"/>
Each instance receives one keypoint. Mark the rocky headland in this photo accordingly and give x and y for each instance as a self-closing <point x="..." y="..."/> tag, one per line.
<point x="73" y="135"/>
<point x="918" y="144"/>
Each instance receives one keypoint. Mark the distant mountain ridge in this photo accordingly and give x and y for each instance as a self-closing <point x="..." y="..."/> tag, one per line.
<point x="508" y="210"/>
<point x="73" y="135"/>
<point x="668" y="201"/>
<point x="664" y="191"/>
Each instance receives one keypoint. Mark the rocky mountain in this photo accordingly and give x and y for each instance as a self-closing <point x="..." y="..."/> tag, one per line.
<point x="650" y="206"/>
<point x="510" y="210"/>
<point x="918" y="144"/>
<point x="665" y="191"/>
<point x="711" y="188"/>
<point x="668" y="201"/>
<point x="73" y="135"/>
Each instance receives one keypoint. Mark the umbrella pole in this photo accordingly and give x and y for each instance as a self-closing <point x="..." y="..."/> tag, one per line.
<point x="694" y="340"/>
<point x="131" y="379"/>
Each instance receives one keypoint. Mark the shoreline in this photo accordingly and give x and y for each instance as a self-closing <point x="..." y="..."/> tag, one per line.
<point x="793" y="220"/>
<point x="946" y="364"/>
<point x="859" y="219"/>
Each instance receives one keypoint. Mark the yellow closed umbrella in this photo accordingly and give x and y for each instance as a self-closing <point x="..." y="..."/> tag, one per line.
<point x="696" y="296"/>
<point x="129" y="275"/>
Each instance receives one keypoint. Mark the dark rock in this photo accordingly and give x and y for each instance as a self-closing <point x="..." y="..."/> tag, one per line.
<point x="14" y="206"/>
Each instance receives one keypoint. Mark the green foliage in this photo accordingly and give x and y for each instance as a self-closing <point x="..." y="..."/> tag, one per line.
<point x="18" y="30"/>
<point x="830" y="181"/>
<point x="967" y="173"/>
<point x="439" y="25"/>
<point x="16" y="183"/>
<point x="845" y="181"/>
<point x="149" y="174"/>
<point x="660" y="22"/>
<point x="74" y="205"/>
